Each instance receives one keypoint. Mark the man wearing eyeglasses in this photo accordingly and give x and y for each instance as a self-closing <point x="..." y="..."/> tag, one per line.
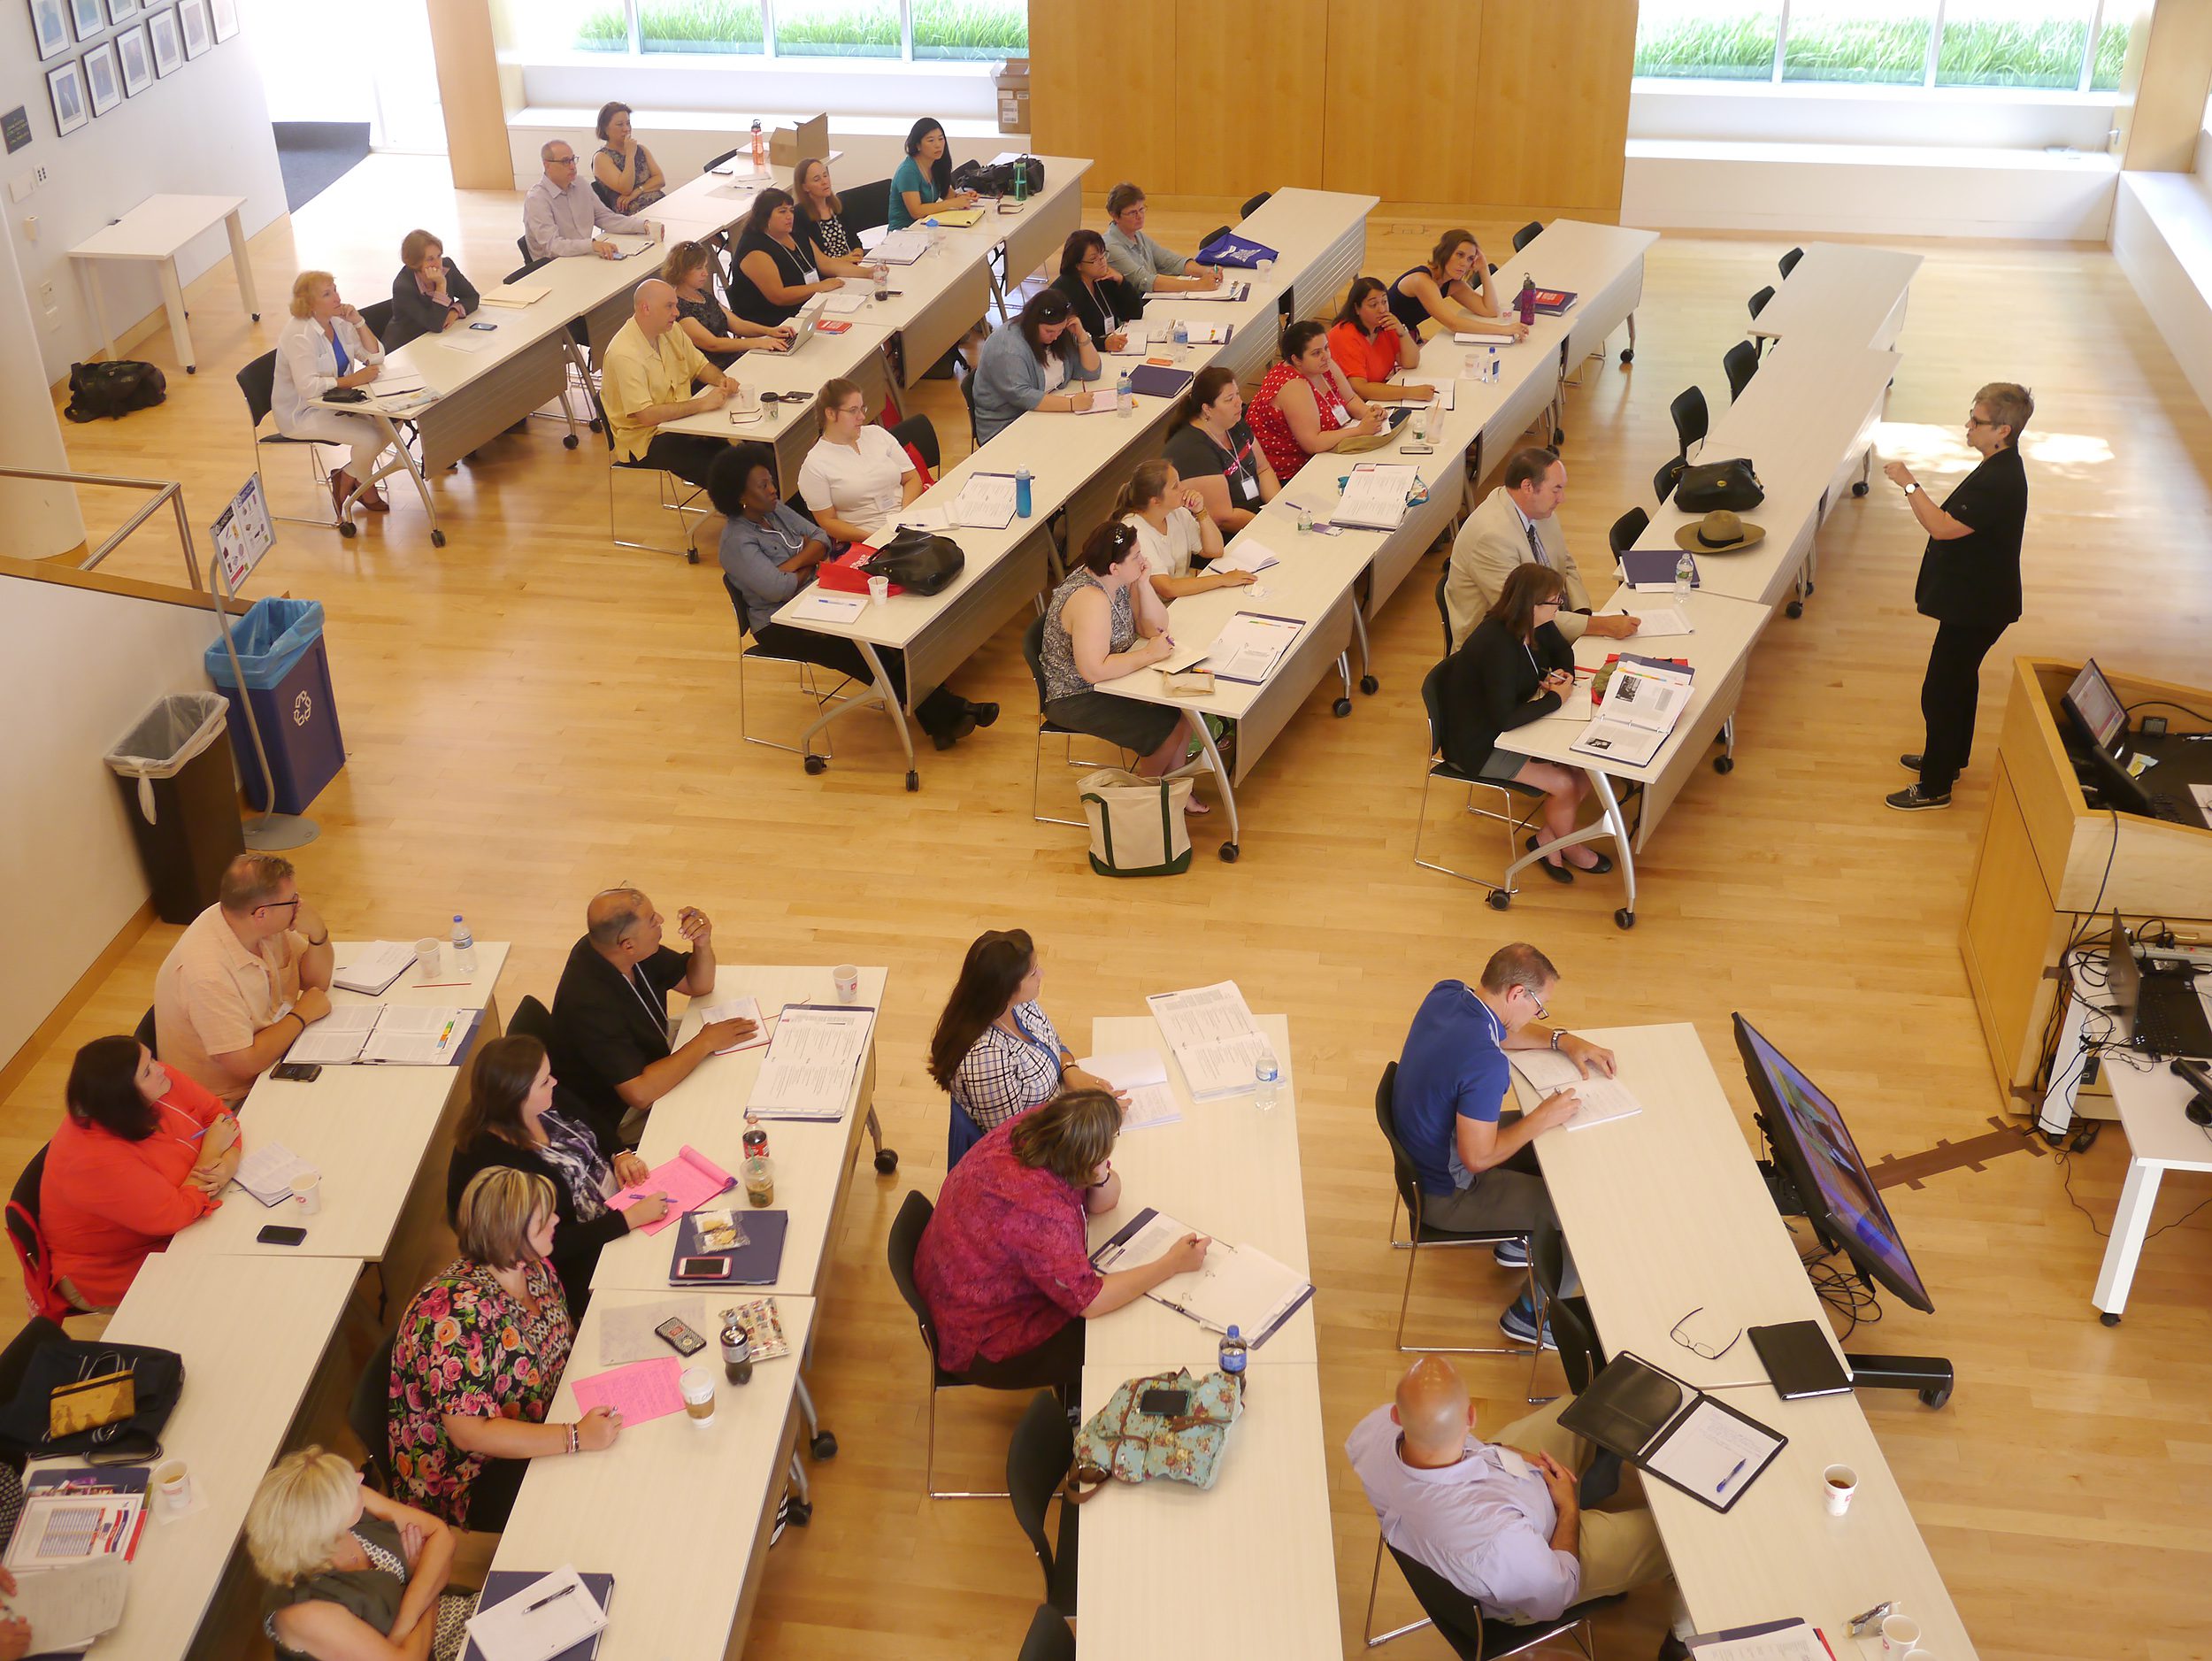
<point x="564" y="215"/>
<point x="1476" y="1164"/>
<point x="1970" y="584"/>
<point x="243" y="981"/>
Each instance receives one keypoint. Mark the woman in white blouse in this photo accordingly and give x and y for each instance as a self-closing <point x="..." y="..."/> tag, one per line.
<point x="1175" y="531"/>
<point x="323" y="346"/>
<point x="858" y="477"/>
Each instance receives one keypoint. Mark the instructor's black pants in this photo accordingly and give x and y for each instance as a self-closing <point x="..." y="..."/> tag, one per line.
<point x="1948" y="698"/>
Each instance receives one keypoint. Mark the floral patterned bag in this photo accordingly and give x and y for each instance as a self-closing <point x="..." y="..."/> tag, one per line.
<point x="1129" y="1445"/>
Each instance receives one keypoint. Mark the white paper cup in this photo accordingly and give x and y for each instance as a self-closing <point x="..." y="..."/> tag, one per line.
<point x="879" y="590"/>
<point x="1265" y="266"/>
<point x="847" y="979"/>
<point x="307" y="1193"/>
<point x="1838" y="1484"/>
<point x="427" y="952"/>
<point x="698" y="1387"/>
<point x="173" y="1485"/>
<point x="1899" y="1633"/>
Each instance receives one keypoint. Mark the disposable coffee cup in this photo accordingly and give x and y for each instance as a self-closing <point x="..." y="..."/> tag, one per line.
<point x="172" y="1486"/>
<point x="1265" y="266"/>
<point x="1838" y="1484"/>
<point x="1900" y="1633"/>
<point x="698" y="1387"/>
<point x="426" y="950"/>
<point x="879" y="590"/>
<point x="845" y="976"/>
<point x="307" y="1193"/>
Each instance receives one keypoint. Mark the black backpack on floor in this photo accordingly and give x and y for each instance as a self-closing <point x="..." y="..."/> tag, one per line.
<point x="114" y="390"/>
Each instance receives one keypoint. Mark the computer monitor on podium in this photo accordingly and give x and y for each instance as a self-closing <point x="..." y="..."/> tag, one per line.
<point x="2099" y="722"/>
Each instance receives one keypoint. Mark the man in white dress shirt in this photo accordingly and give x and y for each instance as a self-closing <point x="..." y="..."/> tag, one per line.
<point x="564" y="215"/>
<point x="1518" y="523"/>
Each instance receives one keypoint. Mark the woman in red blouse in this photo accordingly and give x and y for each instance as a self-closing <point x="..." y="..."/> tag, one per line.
<point x="142" y="1153"/>
<point x="1370" y="346"/>
<point x="1004" y="1266"/>
<point x="1305" y="405"/>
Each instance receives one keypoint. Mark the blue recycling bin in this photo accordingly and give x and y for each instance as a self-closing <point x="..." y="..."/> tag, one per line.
<point x="286" y="674"/>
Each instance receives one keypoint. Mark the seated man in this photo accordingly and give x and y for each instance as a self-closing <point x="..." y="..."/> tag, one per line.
<point x="611" y="1042"/>
<point x="1476" y="1165"/>
<point x="243" y="981"/>
<point x="562" y="215"/>
<point x="1502" y="1521"/>
<point x="646" y="376"/>
<point x="1517" y="522"/>
<point x="1142" y="263"/>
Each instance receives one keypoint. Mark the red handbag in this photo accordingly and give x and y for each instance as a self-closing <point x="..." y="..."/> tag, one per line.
<point x="844" y="575"/>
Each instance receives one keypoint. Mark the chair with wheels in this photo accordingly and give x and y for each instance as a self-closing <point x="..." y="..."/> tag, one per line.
<point x="1739" y="362"/>
<point x="1032" y="654"/>
<point x="678" y="496"/>
<point x="1050" y="1637"/>
<point x="1420" y="1235"/>
<point x="1510" y="795"/>
<point x="1669" y="475"/>
<point x="906" y="1240"/>
<point x="1460" y="1622"/>
<point x="257" y="381"/>
<point x="368" y="1414"/>
<point x="1690" y="419"/>
<point x="1788" y="262"/>
<point x="1037" y="1462"/>
<point x="1527" y="234"/>
<point x="1625" y="530"/>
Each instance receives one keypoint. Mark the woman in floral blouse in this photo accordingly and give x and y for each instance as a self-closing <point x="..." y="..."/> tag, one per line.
<point x="478" y="1357"/>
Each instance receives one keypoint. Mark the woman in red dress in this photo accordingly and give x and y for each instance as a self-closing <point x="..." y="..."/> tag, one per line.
<point x="1305" y="405"/>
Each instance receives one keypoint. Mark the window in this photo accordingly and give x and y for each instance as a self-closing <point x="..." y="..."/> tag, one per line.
<point x="2065" y="45"/>
<point x="971" y="28"/>
<point x="785" y="29"/>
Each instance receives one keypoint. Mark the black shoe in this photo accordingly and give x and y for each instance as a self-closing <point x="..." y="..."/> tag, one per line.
<point x="1556" y="872"/>
<point x="1911" y="764"/>
<point x="985" y="714"/>
<point x="1916" y="798"/>
<point x="1604" y="864"/>
<point x="946" y="737"/>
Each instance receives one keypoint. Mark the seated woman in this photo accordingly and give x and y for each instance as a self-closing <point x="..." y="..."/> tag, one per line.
<point x="351" y="1574"/>
<point x="1174" y="531"/>
<point x="429" y="295"/>
<point x="1003" y="1268"/>
<point x="1142" y="263"/>
<point x="857" y="476"/>
<point x="323" y="347"/>
<point x="511" y="1121"/>
<point x="994" y="1052"/>
<point x="478" y="1357"/>
<point x="1513" y="668"/>
<point x="1030" y="364"/>
<point x="1370" y="345"/>
<point x="623" y="174"/>
<point x="923" y="182"/>
<point x="776" y="274"/>
<point x="706" y="324"/>
<point x="1101" y="300"/>
<point x="820" y="214"/>
<point x="1214" y="449"/>
<point x="1305" y="405"/>
<point x="140" y="1153"/>
<point x="769" y="553"/>
<point x="1444" y="292"/>
<point x="1104" y="622"/>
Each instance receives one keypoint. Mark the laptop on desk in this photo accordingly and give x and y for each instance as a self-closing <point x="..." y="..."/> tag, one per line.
<point x="2161" y="1005"/>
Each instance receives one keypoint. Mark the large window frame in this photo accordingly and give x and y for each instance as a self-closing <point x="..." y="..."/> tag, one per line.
<point x="769" y="50"/>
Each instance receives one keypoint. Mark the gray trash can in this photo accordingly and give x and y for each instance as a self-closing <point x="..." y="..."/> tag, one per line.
<point x="181" y="797"/>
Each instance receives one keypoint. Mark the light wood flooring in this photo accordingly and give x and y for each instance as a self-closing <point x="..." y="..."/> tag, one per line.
<point x="533" y="714"/>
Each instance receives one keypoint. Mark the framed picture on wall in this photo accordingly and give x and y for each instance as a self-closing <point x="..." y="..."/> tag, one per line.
<point x="224" y="14"/>
<point x="88" y="17"/>
<point x="66" y="87"/>
<point x="192" y="18"/>
<point x="50" y="26"/>
<point x="102" y="80"/>
<point x="167" y="39"/>
<point x="136" y="58"/>
<point x="121" y="10"/>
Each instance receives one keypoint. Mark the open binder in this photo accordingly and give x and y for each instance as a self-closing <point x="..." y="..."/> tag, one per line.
<point x="1685" y="1438"/>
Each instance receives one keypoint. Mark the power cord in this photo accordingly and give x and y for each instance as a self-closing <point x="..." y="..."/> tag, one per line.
<point x="1842" y="1291"/>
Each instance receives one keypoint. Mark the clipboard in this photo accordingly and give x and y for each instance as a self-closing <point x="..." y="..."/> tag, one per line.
<point x="1636" y="1410"/>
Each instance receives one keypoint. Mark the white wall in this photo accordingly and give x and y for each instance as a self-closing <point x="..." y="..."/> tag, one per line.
<point x="203" y="131"/>
<point x="1838" y="113"/>
<point x="85" y="666"/>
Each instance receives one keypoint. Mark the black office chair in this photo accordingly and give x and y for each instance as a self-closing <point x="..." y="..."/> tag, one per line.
<point x="258" y="382"/>
<point x="867" y="206"/>
<point x="1739" y="362"/>
<point x="1527" y="234"/>
<point x="1625" y="530"/>
<point x="921" y="432"/>
<point x="1690" y="419"/>
<point x="144" y="1032"/>
<point x="1444" y="611"/>
<point x="906" y="1239"/>
<point x="1669" y="475"/>
<point x="531" y="1019"/>
<point x="727" y="155"/>
<point x="378" y="315"/>
<point x="1788" y="262"/>
<point x="1032" y="654"/>
<point x="1509" y="792"/>
<point x="1472" y="1635"/>
<point x="1037" y="1460"/>
<point x="368" y="1414"/>
<point x="1574" y="1332"/>
<point x="1050" y="1638"/>
<point x="1758" y="302"/>
<point x="1253" y="204"/>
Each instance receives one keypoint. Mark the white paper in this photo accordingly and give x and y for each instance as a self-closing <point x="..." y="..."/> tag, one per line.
<point x="2202" y="793"/>
<point x="1643" y="703"/>
<point x="1662" y="622"/>
<point x="1214" y="1038"/>
<point x="418" y="1037"/>
<point x="1140" y="1075"/>
<point x="1375" y="496"/>
<point x="552" y="1613"/>
<point x="467" y="340"/>
<point x="985" y="501"/>
<point x="1710" y="1451"/>
<point x="844" y="304"/>
<point x="266" y="1169"/>
<point x="336" y="1040"/>
<point x="1603" y="1099"/>
<point x="1248" y="555"/>
<point x="626" y="1335"/>
<point x="1501" y="342"/>
<point x="830" y="605"/>
<point x="390" y="383"/>
<point x="1237" y="1286"/>
<point x="738" y="1009"/>
<point x="926" y="519"/>
<point x="1796" y="1642"/>
<point x="372" y="967"/>
<point x="808" y="1072"/>
<point x="1250" y="646"/>
<point x="1208" y="334"/>
<point x="1140" y="334"/>
<point x="1228" y="291"/>
<point x="70" y="1606"/>
<point x="901" y="248"/>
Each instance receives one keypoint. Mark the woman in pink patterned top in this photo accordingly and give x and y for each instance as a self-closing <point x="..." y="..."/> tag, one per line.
<point x="1305" y="405"/>
<point x="1004" y="1267"/>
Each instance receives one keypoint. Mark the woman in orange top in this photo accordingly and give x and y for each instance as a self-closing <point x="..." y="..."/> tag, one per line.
<point x="142" y="1153"/>
<point x="1370" y="346"/>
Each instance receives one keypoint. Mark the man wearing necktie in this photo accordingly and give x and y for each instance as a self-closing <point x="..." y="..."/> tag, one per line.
<point x="1518" y="522"/>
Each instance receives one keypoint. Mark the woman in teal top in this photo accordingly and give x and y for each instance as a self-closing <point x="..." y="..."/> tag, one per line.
<point x="923" y="179"/>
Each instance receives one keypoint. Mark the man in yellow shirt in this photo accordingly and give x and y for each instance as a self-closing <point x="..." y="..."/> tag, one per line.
<point x="645" y="378"/>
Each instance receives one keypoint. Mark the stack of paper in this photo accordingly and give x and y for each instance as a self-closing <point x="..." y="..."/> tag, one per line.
<point x="1228" y="290"/>
<point x="1375" y="496"/>
<point x="1776" y="1641"/>
<point x="410" y="1035"/>
<point x="1663" y="623"/>
<point x="72" y="1512"/>
<point x="1250" y="645"/>
<point x="985" y="501"/>
<point x="266" y="1169"/>
<point x="1603" y="1099"/>
<point x="829" y="605"/>
<point x="1139" y="336"/>
<point x="901" y="248"/>
<point x="1237" y="1286"/>
<point x="69" y="1605"/>
<point x="1140" y="1075"/>
<point x="1214" y="1037"/>
<point x="641" y="1392"/>
<point x="844" y="304"/>
<point x="371" y="967"/>
<point x="813" y="1061"/>
<point x="1643" y="701"/>
<point x="1248" y="555"/>
<point x="1097" y="400"/>
<point x="517" y="295"/>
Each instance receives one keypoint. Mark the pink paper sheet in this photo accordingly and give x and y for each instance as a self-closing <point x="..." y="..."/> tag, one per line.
<point x="642" y="1391"/>
<point x="690" y="1180"/>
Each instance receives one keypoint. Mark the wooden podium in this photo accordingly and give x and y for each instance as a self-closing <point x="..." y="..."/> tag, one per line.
<point x="2042" y="865"/>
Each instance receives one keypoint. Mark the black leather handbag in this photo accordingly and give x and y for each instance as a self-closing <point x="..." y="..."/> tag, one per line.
<point x="1731" y="484"/>
<point x="157" y="1380"/>
<point x="920" y="562"/>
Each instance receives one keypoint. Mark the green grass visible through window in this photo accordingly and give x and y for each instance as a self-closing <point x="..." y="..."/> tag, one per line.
<point x="1979" y="54"/>
<point x="1738" y="48"/>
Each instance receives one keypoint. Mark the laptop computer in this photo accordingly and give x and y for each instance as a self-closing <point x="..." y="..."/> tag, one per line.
<point x="2160" y="1004"/>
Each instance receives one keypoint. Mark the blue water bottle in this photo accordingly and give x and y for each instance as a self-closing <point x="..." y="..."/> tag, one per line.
<point x="1021" y="493"/>
<point x="1232" y="1357"/>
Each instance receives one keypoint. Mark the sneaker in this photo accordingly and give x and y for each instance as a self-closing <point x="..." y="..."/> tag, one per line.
<point x="1911" y="764"/>
<point x="1518" y="1323"/>
<point x="1512" y="1254"/>
<point x="1917" y="798"/>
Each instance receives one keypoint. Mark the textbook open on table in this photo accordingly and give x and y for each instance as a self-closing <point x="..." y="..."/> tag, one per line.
<point x="809" y="1069"/>
<point x="1643" y="701"/>
<point x="1214" y="1037"/>
<point x="1238" y="1286"/>
<point x="404" y="1034"/>
<point x="1685" y="1438"/>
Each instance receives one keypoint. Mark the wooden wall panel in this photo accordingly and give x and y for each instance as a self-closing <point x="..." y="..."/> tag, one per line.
<point x="1551" y="95"/>
<point x="2175" y="68"/>
<point x="1250" y="89"/>
<point x="1401" y="122"/>
<point x="1091" y="94"/>
<point x="468" y="94"/>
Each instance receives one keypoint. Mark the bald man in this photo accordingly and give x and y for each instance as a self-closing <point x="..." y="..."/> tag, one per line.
<point x="646" y="378"/>
<point x="611" y="1039"/>
<point x="1502" y="1521"/>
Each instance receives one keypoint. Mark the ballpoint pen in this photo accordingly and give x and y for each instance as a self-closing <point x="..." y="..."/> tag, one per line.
<point x="1721" y="1486"/>
<point x="550" y="1597"/>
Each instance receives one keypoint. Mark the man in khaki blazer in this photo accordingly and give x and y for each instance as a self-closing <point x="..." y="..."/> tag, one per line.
<point x="1516" y="523"/>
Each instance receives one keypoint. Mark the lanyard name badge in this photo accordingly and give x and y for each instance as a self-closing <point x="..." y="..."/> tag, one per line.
<point x="659" y="1018"/>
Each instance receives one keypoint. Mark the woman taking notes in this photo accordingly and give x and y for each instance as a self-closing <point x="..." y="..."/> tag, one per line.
<point x="1444" y="292"/>
<point x="1214" y="449"/>
<point x="1103" y="301"/>
<point x="1514" y="668"/>
<point x="821" y="216"/>
<point x="1032" y="365"/>
<point x="776" y="274"/>
<point x="324" y="347"/>
<point x="1305" y="405"/>
<point x="624" y="172"/>
<point x="1105" y="622"/>
<point x="923" y="179"/>
<point x="857" y="476"/>
<point x="429" y="295"/>
<point x="1174" y="531"/>
<point x="1370" y="345"/>
<point x="705" y="322"/>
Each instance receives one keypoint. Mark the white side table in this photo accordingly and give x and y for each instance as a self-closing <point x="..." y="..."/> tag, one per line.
<point x="153" y="232"/>
<point x="2151" y="1105"/>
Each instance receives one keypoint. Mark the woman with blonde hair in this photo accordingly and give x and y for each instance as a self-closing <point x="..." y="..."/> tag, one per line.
<point x="324" y="346"/>
<point x="350" y="1573"/>
<point x="706" y="322"/>
<point x="478" y="1357"/>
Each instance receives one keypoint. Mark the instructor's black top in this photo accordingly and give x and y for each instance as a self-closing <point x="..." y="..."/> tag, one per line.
<point x="1975" y="579"/>
<point x="1115" y="302"/>
<point x="1490" y="688"/>
<point x="607" y="1029"/>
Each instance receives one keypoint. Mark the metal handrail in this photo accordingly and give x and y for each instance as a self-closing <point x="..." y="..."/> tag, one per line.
<point x="164" y="491"/>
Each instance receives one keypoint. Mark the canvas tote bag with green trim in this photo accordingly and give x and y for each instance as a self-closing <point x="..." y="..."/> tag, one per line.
<point x="1136" y="824"/>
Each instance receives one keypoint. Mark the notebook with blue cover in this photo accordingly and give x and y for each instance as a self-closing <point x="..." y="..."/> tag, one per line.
<point x="1654" y="567"/>
<point x="1158" y="381"/>
<point x="756" y="1263"/>
<point x="502" y="1584"/>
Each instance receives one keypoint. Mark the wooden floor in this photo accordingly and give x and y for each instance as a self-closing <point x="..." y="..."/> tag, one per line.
<point x="533" y="715"/>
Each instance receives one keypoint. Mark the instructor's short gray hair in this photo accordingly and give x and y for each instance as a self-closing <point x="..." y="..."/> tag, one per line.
<point x="2008" y="404"/>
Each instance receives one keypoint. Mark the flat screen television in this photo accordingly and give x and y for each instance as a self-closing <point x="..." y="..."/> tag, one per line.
<point x="1815" y="1150"/>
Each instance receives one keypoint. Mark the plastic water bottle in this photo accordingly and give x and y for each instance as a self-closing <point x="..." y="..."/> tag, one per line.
<point x="1124" y="396"/>
<point x="1181" y="338"/>
<point x="1234" y="1357"/>
<point x="1305" y="519"/>
<point x="760" y="150"/>
<point x="1021" y="182"/>
<point x="1266" y="1080"/>
<point x="1021" y="487"/>
<point x="464" y="945"/>
<point x="1491" y="367"/>
<point x="1685" y="574"/>
<point x="1527" y="300"/>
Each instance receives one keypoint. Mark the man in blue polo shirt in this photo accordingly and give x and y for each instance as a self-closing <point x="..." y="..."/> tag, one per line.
<point x="1476" y="1164"/>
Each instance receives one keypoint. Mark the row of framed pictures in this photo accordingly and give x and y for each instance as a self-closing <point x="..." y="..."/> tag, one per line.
<point x="51" y="20"/>
<point x="126" y="65"/>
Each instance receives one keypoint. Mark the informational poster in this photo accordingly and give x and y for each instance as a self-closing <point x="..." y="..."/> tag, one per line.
<point x="243" y="534"/>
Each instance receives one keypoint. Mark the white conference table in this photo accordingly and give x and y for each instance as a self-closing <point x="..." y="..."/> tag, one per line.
<point x="1848" y="294"/>
<point x="792" y="428"/>
<point x="2151" y="1100"/>
<point x="1666" y="1212"/>
<point x="673" y="1508"/>
<point x="251" y="1333"/>
<point x="1228" y="1171"/>
<point x="155" y="233"/>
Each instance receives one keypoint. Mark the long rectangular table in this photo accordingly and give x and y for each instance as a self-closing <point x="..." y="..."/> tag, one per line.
<point x="1846" y="293"/>
<point x="153" y="234"/>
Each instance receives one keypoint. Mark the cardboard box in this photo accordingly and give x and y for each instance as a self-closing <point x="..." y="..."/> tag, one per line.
<point x="787" y="146"/>
<point x="1013" y="111"/>
<point x="1011" y="73"/>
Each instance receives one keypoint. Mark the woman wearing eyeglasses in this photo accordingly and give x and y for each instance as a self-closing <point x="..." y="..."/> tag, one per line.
<point x="705" y="322"/>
